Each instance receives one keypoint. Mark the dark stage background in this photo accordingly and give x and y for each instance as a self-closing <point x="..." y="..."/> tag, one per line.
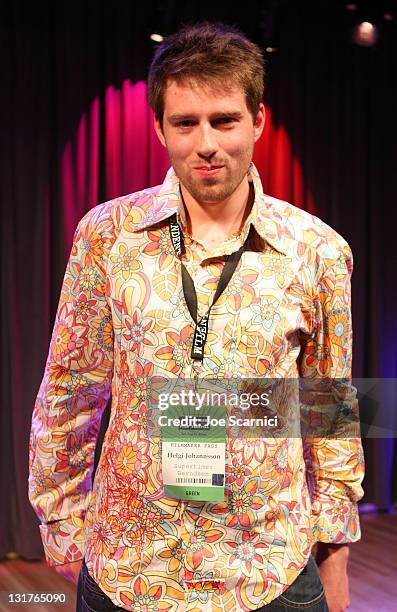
<point x="75" y="130"/>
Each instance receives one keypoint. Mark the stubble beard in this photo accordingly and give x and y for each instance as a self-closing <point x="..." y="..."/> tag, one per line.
<point x="211" y="190"/>
<point x="210" y="194"/>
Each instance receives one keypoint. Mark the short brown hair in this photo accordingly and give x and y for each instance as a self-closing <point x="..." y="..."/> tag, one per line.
<point x="212" y="54"/>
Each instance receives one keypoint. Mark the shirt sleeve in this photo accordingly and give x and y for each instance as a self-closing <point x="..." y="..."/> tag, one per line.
<point x="74" y="391"/>
<point x="329" y="409"/>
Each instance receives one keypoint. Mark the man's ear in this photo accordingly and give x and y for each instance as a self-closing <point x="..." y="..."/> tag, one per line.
<point x="260" y="121"/>
<point x="159" y="131"/>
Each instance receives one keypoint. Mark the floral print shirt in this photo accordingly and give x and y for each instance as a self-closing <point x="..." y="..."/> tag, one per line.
<point x="122" y="323"/>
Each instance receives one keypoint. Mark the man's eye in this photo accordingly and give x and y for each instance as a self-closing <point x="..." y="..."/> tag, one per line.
<point x="185" y="123"/>
<point x="225" y="120"/>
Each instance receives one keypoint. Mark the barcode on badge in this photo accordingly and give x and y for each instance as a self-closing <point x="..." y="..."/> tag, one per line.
<point x="192" y="481"/>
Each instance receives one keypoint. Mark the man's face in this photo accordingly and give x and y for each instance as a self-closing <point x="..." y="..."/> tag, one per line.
<point x="209" y="135"/>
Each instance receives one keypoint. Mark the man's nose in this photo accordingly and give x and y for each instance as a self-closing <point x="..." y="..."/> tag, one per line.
<point x="207" y="144"/>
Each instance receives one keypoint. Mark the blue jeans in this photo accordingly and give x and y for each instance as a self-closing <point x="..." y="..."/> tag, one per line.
<point x="306" y="593"/>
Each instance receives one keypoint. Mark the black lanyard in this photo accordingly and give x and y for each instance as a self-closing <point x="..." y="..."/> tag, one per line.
<point x="189" y="290"/>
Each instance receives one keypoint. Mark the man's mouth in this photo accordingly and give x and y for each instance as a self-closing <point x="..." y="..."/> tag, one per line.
<point x="208" y="170"/>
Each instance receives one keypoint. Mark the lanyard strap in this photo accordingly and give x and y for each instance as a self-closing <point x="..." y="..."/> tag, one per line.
<point x="189" y="290"/>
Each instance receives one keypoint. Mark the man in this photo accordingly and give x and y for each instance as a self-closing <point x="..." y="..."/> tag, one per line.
<point x="201" y="277"/>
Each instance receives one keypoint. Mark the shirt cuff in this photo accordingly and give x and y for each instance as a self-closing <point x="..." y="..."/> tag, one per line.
<point x="335" y="521"/>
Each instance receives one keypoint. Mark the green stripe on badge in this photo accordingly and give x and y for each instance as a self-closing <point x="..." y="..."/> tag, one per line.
<point x="195" y="493"/>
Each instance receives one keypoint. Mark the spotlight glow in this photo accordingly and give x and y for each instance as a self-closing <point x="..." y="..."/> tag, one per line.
<point x="156" y="37"/>
<point x="365" y="34"/>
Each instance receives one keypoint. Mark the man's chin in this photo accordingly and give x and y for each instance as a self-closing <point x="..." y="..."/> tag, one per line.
<point x="210" y="194"/>
<point x="209" y="199"/>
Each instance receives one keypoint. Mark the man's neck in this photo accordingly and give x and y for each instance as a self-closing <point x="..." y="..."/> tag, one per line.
<point x="212" y="223"/>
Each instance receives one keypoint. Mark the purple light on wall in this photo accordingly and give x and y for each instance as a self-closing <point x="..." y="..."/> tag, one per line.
<point x="80" y="170"/>
<point x="134" y="158"/>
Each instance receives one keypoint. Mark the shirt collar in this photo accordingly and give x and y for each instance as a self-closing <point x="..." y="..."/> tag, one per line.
<point x="267" y="221"/>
